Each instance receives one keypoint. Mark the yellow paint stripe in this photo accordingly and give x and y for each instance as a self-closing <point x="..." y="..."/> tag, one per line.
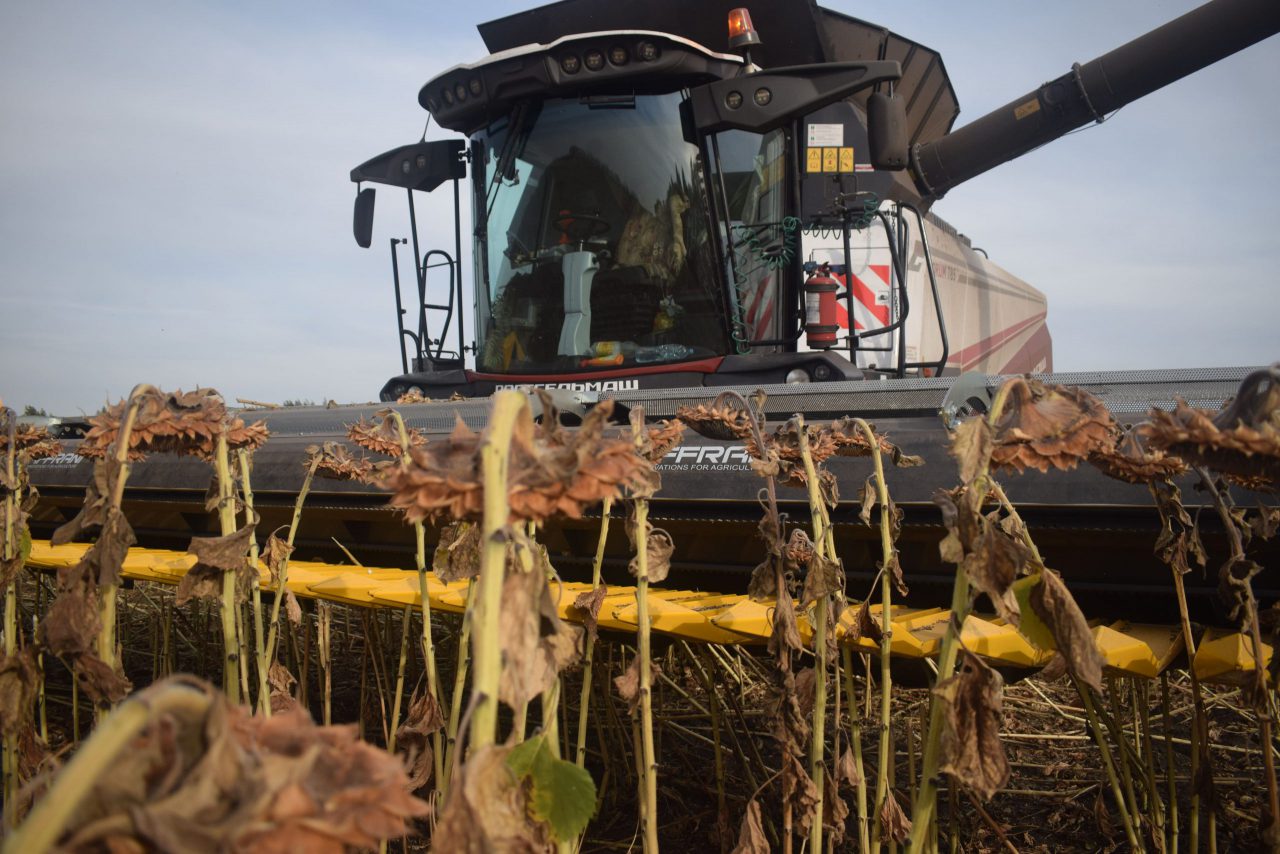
<point x="1133" y="649"/>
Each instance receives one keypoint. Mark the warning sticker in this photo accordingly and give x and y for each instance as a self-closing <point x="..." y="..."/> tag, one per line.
<point x="1029" y="108"/>
<point x="824" y="135"/>
<point x="813" y="160"/>
<point x="846" y="159"/>
<point x="830" y="159"/>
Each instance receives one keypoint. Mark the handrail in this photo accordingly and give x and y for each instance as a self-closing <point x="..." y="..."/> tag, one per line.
<point x="395" y="275"/>
<point x="448" y="308"/>
<point x="941" y="363"/>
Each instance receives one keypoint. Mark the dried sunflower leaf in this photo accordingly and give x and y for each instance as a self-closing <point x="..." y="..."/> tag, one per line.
<point x="628" y="684"/>
<point x="1052" y="620"/>
<point x="835" y="812"/>
<point x="823" y="578"/>
<point x="587" y="606"/>
<point x="786" y="632"/>
<point x="751" y="838"/>
<point x="413" y="738"/>
<point x="99" y="680"/>
<point x="867" y="498"/>
<point x="862" y="626"/>
<point x="215" y="556"/>
<point x="276" y="556"/>
<point x="281" y="683"/>
<point x="971" y="446"/>
<point x="893" y="820"/>
<point x="18" y="681"/>
<point x="993" y="565"/>
<point x="799" y="550"/>
<point x="763" y="583"/>
<point x="798" y="790"/>
<point x="292" y="609"/>
<point x="847" y="771"/>
<point x="536" y="644"/>
<point x="972" y="752"/>
<point x="106" y="472"/>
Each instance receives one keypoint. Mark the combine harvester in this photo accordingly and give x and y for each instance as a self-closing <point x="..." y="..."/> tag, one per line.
<point x="656" y="221"/>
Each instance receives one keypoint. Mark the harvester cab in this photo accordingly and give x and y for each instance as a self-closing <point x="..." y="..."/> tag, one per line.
<point x="638" y="203"/>
<point x="650" y="212"/>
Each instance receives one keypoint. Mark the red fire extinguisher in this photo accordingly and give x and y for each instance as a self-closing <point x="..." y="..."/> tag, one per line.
<point x="820" y="325"/>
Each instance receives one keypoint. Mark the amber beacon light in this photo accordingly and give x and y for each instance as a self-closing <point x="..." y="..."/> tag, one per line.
<point x="741" y="33"/>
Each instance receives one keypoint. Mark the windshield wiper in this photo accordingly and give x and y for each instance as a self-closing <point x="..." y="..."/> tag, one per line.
<point x="524" y="115"/>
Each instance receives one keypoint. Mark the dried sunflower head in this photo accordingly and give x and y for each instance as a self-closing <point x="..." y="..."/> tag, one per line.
<point x="178" y="423"/>
<point x="561" y="472"/>
<point x="1134" y="461"/>
<point x="719" y="420"/>
<point x="662" y="438"/>
<point x="31" y="442"/>
<point x="1048" y="426"/>
<point x="551" y="471"/>
<point x="851" y="442"/>
<point x="335" y="462"/>
<point x="413" y="395"/>
<point x="442" y="479"/>
<point x="382" y="436"/>
<point x="1242" y="440"/>
<point x="841" y="437"/>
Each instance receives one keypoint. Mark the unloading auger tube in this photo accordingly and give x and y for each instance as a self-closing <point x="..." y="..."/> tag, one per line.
<point x="1091" y="91"/>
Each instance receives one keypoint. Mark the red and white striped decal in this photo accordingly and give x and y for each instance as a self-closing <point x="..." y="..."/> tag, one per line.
<point x="867" y="313"/>
<point x="760" y="312"/>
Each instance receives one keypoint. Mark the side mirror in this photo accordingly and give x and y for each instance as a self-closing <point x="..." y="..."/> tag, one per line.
<point x="362" y="221"/>
<point x="887" y="131"/>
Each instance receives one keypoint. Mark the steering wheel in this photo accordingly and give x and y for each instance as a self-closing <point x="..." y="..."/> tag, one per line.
<point x="581" y="226"/>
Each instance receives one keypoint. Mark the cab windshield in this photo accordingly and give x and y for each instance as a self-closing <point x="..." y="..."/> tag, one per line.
<point x="593" y="248"/>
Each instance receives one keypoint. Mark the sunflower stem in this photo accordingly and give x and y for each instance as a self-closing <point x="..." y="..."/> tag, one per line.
<point x="227" y="518"/>
<point x="428" y="643"/>
<point x="399" y="692"/>
<point x="647" y="764"/>
<point x="926" y="801"/>
<point x="855" y="738"/>
<point x="10" y="549"/>
<point x="459" y="683"/>
<point x="242" y="459"/>
<point x="1261" y="687"/>
<point x="495" y="451"/>
<point x="273" y="625"/>
<point x="1117" y="792"/>
<point x="817" y="745"/>
<point x="584" y="701"/>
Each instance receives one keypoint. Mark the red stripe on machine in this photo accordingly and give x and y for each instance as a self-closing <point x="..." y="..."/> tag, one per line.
<point x="1034" y="351"/>
<point x="975" y="352"/>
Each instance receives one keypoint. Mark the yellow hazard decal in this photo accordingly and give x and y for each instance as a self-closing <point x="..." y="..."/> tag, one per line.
<point x="813" y="161"/>
<point x="1029" y="108"/>
<point x="846" y="159"/>
<point x="830" y="159"/>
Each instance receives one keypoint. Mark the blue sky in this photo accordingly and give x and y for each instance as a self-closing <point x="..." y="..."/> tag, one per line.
<point x="177" y="208"/>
